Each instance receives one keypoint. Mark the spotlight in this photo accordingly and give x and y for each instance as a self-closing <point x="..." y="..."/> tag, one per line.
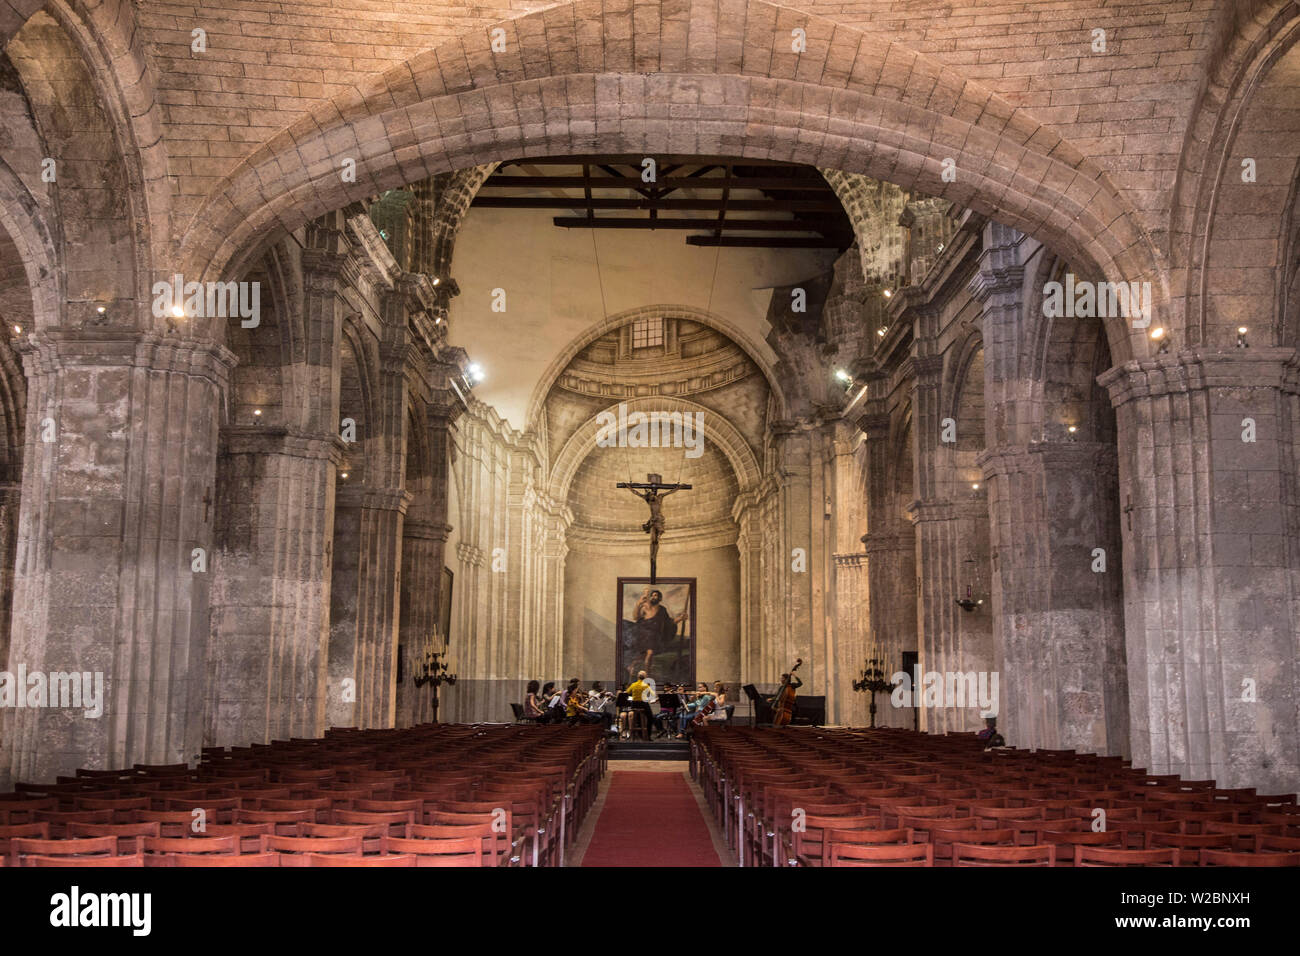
<point x="436" y="281"/>
<point x="343" y="475"/>
<point x="975" y="486"/>
<point x="1241" y="337"/>
<point x="843" y="376"/>
<point x="178" y="311"/>
<point x="1158" y="336"/>
<point x="475" y="372"/>
<point x="888" y="293"/>
<point x="101" y="310"/>
<point x="941" y="247"/>
<point x="257" y="413"/>
<point x="882" y="330"/>
<point x="1073" y="430"/>
<point x="18" y="330"/>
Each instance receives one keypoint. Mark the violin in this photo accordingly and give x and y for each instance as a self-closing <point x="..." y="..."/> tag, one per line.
<point x="703" y="713"/>
<point x="783" y="702"/>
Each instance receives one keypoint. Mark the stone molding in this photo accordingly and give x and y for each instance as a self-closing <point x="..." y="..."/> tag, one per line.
<point x="1010" y="459"/>
<point x="923" y="511"/>
<point x="426" y="530"/>
<point x="1197" y="370"/>
<point x="280" y="440"/>
<point x="49" y="350"/>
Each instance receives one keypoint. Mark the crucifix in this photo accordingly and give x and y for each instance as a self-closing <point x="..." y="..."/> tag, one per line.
<point x="653" y="491"/>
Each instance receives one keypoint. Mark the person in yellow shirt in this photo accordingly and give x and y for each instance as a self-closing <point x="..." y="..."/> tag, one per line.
<point x="635" y="691"/>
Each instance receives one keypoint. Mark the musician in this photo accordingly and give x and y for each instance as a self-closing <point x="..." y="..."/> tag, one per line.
<point x="794" y="682"/>
<point x="532" y="707"/>
<point x="553" y="707"/>
<point x="720" y="701"/>
<point x="702" y="698"/>
<point x="636" y="693"/>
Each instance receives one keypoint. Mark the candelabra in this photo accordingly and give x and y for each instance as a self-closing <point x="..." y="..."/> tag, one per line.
<point x="432" y="667"/>
<point x="873" y="679"/>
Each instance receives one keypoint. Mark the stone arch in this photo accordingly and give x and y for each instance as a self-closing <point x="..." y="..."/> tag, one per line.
<point x="461" y="104"/>
<point x="96" y="203"/>
<point x="718" y="429"/>
<point x="756" y="352"/>
<point x="1223" y="234"/>
<point x="356" y="399"/>
<point x="453" y="203"/>
<point x="963" y="393"/>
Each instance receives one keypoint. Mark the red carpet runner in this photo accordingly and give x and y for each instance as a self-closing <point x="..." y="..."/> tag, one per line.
<point x="650" y="819"/>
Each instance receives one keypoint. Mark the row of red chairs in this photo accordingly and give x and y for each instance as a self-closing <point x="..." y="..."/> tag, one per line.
<point x="436" y="795"/>
<point x="863" y="797"/>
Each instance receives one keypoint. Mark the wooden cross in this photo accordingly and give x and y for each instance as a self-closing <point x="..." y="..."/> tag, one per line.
<point x="653" y="491"/>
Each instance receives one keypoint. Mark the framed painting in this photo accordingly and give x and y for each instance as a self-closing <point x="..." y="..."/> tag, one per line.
<point x="656" y="630"/>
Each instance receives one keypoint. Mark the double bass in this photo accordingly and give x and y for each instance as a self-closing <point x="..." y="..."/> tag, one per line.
<point x="783" y="702"/>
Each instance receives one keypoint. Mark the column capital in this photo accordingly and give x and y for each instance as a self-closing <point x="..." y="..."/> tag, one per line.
<point x="281" y="440"/>
<point x="875" y="542"/>
<point x="426" y="530"/>
<point x="51" y="349"/>
<point x="1038" y="456"/>
<point x="935" y="510"/>
<point x="1196" y="370"/>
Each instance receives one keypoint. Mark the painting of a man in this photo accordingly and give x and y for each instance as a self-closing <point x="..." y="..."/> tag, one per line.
<point x="658" y="629"/>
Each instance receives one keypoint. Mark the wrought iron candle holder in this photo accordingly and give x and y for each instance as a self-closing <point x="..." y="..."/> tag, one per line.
<point x="874" y="679"/>
<point x="432" y="668"/>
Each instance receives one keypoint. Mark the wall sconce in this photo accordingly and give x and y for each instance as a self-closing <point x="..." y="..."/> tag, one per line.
<point x="1241" y="337"/>
<point x="882" y="331"/>
<point x="1072" y="432"/>
<point x="257" y="416"/>
<point x="1161" y="339"/>
<point x="887" y="293"/>
<point x="343" y="475"/>
<point x="969" y="602"/>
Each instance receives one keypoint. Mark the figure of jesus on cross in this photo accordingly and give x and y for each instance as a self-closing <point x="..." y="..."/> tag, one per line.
<point x="653" y="491"/>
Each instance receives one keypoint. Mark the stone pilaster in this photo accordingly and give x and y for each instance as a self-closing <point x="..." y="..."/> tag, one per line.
<point x="423" y="544"/>
<point x="364" y="608"/>
<point x="10" y="502"/>
<point x="1056" y="596"/>
<point x="1211" y="563"/>
<point x="120" y="456"/>
<point x="271" y="580"/>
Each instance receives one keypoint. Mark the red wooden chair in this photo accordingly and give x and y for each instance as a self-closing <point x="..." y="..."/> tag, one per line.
<point x="903" y="854"/>
<point x="971" y="854"/>
<point x="1112" y="856"/>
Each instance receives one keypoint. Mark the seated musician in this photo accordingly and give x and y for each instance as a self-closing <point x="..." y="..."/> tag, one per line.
<point x="720" y="701"/>
<point x="793" y="680"/>
<point x="532" y="707"/>
<point x="702" y="699"/>
<point x="670" y="703"/>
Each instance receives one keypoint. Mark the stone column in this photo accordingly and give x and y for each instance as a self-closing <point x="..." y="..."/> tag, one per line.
<point x="271" y="584"/>
<point x="364" y="608"/>
<point x="423" y="545"/>
<point x="889" y="547"/>
<point x="121" y="445"/>
<point x="1056" y="600"/>
<point x="951" y="533"/>
<point x="1211" y="565"/>
<point x="800" y="612"/>
<point x="10" y="501"/>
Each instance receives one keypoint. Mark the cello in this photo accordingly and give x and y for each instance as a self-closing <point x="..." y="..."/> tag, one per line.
<point x="783" y="702"/>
